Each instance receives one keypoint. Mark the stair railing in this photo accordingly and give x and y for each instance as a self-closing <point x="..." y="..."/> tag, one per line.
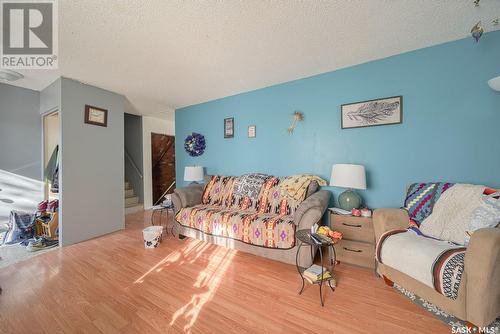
<point x="129" y="158"/>
<point x="164" y="193"/>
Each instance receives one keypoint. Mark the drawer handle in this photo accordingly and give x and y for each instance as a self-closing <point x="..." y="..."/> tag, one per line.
<point x="351" y="225"/>
<point x="353" y="250"/>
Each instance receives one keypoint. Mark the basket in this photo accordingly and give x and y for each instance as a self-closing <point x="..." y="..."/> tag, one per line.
<point x="152" y="236"/>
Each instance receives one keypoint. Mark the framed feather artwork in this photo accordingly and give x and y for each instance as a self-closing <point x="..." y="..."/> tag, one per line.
<point x="383" y="111"/>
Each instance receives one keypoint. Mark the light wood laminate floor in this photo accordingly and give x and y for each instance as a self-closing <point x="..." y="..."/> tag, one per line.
<point x="113" y="285"/>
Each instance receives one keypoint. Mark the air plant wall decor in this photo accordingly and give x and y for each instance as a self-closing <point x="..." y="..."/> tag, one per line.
<point x="297" y="117"/>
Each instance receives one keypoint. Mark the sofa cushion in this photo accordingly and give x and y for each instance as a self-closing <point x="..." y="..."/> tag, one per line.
<point x="235" y="201"/>
<point x="271" y="200"/>
<point x="216" y="189"/>
<point x="249" y="185"/>
<point x="435" y="263"/>
<point x="265" y="230"/>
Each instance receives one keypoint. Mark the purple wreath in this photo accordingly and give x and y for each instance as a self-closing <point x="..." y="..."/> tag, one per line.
<point x="195" y="144"/>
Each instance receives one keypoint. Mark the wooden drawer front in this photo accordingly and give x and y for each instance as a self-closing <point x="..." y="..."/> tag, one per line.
<point x="354" y="228"/>
<point x="355" y="252"/>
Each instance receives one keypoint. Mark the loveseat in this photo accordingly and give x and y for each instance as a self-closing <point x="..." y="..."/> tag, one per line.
<point x="263" y="224"/>
<point x="461" y="279"/>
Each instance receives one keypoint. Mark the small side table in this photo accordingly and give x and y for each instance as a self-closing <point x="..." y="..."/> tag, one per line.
<point x="304" y="237"/>
<point x="162" y="211"/>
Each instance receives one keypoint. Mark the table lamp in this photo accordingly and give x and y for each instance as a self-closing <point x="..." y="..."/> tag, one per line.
<point x="350" y="177"/>
<point x="193" y="174"/>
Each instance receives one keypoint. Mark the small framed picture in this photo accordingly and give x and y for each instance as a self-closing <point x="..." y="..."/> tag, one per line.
<point x="252" y="131"/>
<point x="228" y="127"/>
<point x="96" y="116"/>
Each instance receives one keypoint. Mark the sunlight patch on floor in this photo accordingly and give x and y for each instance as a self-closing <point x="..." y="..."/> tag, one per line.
<point x="207" y="282"/>
<point x="195" y="247"/>
<point x="170" y="258"/>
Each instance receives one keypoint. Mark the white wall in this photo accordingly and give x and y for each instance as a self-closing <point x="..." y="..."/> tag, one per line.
<point x="92" y="164"/>
<point x="152" y="125"/>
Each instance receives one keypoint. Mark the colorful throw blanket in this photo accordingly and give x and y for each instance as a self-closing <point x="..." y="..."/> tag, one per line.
<point x="435" y="263"/>
<point x="295" y="186"/>
<point x="249" y="185"/>
<point x="433" y="251"/>
<point x="421" y="197"/>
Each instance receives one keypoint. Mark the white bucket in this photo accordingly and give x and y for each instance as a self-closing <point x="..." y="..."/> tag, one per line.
<point x="152" y="236"/>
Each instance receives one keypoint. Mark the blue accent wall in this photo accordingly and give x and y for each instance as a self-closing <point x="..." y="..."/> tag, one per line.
<point x="450" y="129"/>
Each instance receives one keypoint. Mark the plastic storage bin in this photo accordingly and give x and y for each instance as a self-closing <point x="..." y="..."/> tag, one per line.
<point x="152" y="236"/>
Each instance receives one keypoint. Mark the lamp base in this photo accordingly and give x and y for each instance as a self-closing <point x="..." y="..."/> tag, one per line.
<point x="349" y="200"/>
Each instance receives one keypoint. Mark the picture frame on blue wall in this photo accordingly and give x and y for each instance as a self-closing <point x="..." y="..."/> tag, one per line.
<point x="229" y="127"/>
<point x="383" y="111"/>
<point x="252" y="131"/>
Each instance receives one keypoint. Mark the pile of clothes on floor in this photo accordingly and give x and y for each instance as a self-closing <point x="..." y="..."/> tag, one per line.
<point x="22" y="227"/>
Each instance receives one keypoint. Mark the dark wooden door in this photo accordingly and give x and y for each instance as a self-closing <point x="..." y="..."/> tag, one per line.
<point x="163" y="162"/>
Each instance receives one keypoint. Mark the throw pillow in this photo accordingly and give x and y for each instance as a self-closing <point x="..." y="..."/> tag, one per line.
<point x="487" y="215"/>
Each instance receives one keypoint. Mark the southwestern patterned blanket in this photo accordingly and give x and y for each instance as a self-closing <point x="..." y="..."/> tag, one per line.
<point x="254" y="211"/>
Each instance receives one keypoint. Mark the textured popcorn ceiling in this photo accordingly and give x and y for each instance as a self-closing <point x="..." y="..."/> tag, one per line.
<point x="166" y="54"/>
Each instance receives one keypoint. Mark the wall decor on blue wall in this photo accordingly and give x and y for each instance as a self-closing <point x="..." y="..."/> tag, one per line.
<point x="296" y="118"/>
<point x="450" y="116"/>
<point x="252" y="131"/>
<point x="195" y="144"/>
<point x="228" y="127"/>
<point x="375" y="112"/>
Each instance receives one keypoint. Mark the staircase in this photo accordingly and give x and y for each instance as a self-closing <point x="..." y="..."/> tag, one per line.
<point x="131" y="201"/>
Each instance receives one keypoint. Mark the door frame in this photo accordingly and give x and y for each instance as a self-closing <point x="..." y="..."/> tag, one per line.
<point x="152" y="133"/>
<point x="43" y="116"/>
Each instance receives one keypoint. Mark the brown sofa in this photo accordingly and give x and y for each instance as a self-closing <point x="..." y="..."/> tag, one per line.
<point x="264" y="226"/>
<point x="478" y="300"/>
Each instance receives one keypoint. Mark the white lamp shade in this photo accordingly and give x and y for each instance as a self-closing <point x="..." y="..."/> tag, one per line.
<point x="348" y="176"/>
<point x="495" y="83"/>
<point x="193" y="173"/>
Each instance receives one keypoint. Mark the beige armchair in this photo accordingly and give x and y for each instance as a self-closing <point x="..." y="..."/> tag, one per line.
<point x="478" y="300"/>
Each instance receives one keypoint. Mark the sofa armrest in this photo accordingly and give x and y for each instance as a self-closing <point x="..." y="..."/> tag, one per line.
<point x="187" y="196"/>
<point x="482" y="272"/>
<point x="389" y="219"/>
<point x="311" y="209"/>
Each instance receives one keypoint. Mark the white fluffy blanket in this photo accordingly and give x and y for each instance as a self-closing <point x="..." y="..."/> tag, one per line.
<point x="452" y="212"/>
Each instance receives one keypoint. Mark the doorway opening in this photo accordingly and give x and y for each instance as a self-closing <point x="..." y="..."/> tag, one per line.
<point x="163" y="165"/>
<point x="51" y="155"/>
<point x="35" y="230"/>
